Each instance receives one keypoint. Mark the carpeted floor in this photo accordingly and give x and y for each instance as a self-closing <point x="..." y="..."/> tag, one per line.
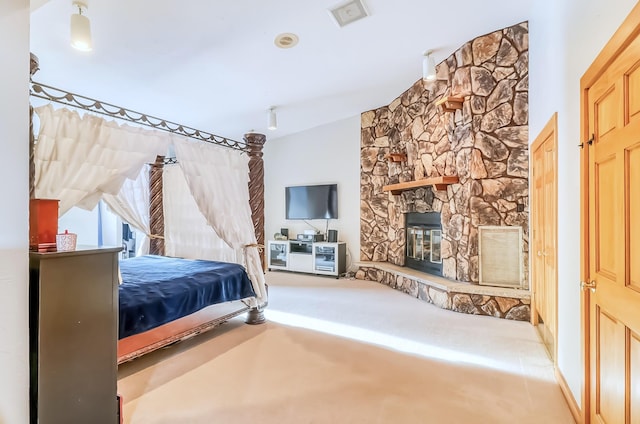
<point x="348" y="351"/>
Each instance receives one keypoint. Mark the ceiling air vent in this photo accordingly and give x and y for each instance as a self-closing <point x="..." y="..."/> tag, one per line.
<point x="348" y="12"/>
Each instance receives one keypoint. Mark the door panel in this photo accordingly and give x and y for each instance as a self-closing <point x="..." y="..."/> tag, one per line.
<point x="633" y="235"/>
<point x="609" y="368"/>
<point x="605" y="116"/>
<point x="634" y="398"/>
<point x="605" y="175"/>
<point x="633" y="86"/>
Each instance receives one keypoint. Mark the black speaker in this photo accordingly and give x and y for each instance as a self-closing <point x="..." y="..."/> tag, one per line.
<point x="284" y="232"/>
<point x="332" y="236"/>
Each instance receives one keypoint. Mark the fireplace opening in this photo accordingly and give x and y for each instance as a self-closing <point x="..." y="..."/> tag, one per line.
<point x="424" y="242"/>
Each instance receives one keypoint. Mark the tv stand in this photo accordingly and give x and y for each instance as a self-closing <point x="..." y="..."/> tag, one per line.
<point x="323" y="258"/>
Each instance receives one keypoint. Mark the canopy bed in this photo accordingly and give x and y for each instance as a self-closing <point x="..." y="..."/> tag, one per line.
<point x="240" y="288"/>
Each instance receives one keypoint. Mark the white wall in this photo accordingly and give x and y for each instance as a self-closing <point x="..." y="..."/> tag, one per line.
<point x="565" y="37"/>
<point x="111" y="227"/>
<point x="84" y="223"/>
<point x="322" y="155"/>
<point x="14" y="224"/>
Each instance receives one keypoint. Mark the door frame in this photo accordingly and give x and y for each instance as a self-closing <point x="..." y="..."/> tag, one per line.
<point x="550" y="130"/>
<point x="624" y="35"/>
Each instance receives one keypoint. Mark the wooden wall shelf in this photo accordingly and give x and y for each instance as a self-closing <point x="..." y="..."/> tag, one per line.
<point x="450" y="103"/>
<point x="396" y="157"/>
<point x="440" y="183"/>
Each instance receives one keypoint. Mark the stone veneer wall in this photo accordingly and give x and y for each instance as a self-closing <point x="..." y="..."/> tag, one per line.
<point x="485" y="144"/>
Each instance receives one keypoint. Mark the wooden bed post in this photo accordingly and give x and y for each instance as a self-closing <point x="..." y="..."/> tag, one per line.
<point x="34" y="63"/>
<point x="156" y="211"/>
<point x="255" y="143"/>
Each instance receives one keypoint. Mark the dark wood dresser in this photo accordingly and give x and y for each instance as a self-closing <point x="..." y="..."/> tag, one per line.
<point x="73" y="335"/>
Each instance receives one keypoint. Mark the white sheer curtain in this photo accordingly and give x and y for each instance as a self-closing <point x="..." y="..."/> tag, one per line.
<point x="78" y="158"/>
<point x="186" y="231"/>
<point x="218" y="179"/>
<point x="131" y="204"/>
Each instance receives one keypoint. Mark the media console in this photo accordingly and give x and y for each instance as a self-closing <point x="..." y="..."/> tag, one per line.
<point x="322" y="258"/>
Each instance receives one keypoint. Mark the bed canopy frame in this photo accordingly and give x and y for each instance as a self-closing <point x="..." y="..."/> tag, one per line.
<point x="251" y="145"/>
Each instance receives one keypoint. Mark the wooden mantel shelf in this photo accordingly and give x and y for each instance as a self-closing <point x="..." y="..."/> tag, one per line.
<point x="450" y="103"/>
<point x="440" y="183"/>
<point x="396" y="157"/>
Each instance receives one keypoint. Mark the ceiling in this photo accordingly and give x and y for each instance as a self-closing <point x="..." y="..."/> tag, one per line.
<point x="213" y="65"/>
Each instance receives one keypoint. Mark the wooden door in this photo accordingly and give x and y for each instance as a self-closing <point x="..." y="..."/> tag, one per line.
<point x="611" y="261"/>
<point x="544" y="220"/>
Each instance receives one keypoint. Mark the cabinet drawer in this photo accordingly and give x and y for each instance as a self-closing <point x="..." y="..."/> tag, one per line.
<point x="302" y="262"/>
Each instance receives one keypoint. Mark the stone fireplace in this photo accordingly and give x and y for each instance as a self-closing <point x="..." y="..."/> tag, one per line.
<point x="469" y="127"/>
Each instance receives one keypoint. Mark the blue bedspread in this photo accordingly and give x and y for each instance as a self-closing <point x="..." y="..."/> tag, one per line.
<point x="156" y="290"/>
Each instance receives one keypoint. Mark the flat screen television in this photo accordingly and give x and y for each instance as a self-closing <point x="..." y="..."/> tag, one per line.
<point x="312" y="202"/>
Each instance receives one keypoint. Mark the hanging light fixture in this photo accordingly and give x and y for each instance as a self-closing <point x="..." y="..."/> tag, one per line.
<point x="428" y="66"/>
<point x="272" y="121"/>
<point x="81" y="28"/>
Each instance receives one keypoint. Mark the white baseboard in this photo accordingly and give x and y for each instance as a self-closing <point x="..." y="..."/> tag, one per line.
<point x="571" y="401"/>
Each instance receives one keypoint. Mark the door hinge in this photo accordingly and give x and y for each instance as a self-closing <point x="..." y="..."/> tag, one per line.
<point x="589" y="142"/>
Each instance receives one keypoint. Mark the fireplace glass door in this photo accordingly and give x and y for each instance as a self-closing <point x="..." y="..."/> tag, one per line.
<point x="424" y="244"/>
<point x="414" y="242"/>
<point x="436" y="243"/>
<point x="424" y="247"/>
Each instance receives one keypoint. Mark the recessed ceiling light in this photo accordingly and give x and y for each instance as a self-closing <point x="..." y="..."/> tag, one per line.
<point x="286" y="40"/>
<point x="348" y="12"/>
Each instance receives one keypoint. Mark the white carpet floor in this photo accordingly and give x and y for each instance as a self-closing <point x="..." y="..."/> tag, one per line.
<point x="348" y="351"/>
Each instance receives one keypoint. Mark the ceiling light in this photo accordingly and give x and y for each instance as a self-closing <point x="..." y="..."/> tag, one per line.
<point x="80" y="28"/>
<point x="286" y="40"/>
<point x="272" y="121"/>
<point x="428" y="66"/>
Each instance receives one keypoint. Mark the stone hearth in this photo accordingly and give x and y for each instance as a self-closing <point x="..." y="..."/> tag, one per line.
<point x="467" y="298"/>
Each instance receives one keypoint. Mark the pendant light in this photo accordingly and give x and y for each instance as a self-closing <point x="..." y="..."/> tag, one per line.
<point x="81" y="28"/>
<point x="428" y="66"/>
<point x="272" y="122"/>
